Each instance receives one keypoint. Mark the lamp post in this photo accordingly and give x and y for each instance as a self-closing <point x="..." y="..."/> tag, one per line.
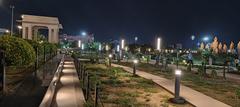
<point x="135" y="61"/>
<point x="12" y="9"/>
<point x="79" y="43"/>
<point x="177" y="99"/>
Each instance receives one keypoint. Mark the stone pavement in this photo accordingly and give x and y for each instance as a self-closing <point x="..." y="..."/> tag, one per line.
<point x="69" y="94"/>
<point x="194" y="97"/>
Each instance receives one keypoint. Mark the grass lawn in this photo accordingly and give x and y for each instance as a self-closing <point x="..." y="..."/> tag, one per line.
<point x="218" y="88"/>
<point x="119" y="88"/>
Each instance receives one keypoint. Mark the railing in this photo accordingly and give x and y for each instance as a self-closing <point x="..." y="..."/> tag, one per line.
<point x="48" y="98"/>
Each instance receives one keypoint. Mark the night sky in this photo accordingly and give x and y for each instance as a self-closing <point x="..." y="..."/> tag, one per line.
<point x="174" y="20"/>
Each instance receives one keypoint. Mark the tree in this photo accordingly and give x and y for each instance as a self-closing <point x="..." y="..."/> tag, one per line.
<point x="214" y="45"/>
<point x="231" y="47"/>
<point x="220" y="47"/>
<point x="202" y="46"/>
<point x="224" y="48"/>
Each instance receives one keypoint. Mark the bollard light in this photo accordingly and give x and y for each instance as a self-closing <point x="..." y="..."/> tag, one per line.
<point x="110" y="60"/>
<point x="110" y="55"/>
<point x="135" y="61"/>
<point x="177" y="99"/>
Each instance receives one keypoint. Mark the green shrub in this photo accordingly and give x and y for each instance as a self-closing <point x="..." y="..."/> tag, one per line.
<point x="238" y="92"/>
<point x="18" y="51"/>
<point x="36" y="44"/>
<point x="214" y="73"/>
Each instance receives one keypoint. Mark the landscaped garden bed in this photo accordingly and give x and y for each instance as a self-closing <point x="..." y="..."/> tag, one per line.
<point x="119" y="88"/>
<point x="218" y="88"/>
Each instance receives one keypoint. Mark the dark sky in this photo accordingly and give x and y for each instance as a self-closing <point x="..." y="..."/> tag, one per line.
<point x="173" y="20"/>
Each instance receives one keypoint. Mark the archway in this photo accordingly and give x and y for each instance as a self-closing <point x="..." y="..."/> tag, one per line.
<point x="31" y="25"/>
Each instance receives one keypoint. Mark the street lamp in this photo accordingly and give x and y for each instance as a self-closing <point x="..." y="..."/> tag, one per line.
<point x="107" y="47"/>
<point x="177" y="99"/>
<point x="135" y="61"/>
<point x="192" y="37"/>
<point x="159" y="44"/>
<point x="122" y="43"/>
<point x="100" y="47"/>
<point x="206" y="39"/>
<point x="12" y="9"/>
<point x="118" y="48"/>
<point x="79" y="43"/>
<point x="84" y="33"/>
<point x="83" y="47"/>
<point x="7" y="31"/>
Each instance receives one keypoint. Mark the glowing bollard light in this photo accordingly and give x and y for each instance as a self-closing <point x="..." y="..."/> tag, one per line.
<point x="177" y="99"/>
<point x="135" y="61"/>
<point x="110" y="60"/>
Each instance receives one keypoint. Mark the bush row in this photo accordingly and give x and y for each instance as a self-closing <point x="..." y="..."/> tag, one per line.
<point x="20" y="52"/>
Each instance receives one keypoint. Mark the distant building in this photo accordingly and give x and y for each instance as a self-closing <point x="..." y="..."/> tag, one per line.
<point x="175" y="46"/>
<point x="72" y="38"/>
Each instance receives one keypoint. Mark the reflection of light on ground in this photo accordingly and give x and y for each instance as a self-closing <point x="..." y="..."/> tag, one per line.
<point x="72" y="66"/>
<point x="68" y="62"/>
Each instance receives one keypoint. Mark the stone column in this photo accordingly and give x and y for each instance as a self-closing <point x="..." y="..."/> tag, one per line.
<point x="30" y="35"/>
<point x="35" y="33"/>
<point x="50" y="35"/>
<point x="24" y="32"/>
<point x="56" y="39"/>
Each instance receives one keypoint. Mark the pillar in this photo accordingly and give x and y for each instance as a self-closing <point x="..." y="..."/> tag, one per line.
<point x="56" y="38"/>
<point x="30" y="35"/>
<point x="24" y="32"/>
<point x="35" y="33"/>
<point x="50" y="35"/>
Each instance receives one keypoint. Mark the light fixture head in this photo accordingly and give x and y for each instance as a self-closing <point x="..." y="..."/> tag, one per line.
<point x="178" y="72"/>
<point x="135" y="61"/>
<point x="110" y="55"/>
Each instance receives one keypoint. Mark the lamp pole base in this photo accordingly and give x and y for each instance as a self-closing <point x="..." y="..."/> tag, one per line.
<point x="178" y="100"/>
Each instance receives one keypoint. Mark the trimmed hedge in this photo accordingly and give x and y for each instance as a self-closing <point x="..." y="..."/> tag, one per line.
<point x="18" y="51"/>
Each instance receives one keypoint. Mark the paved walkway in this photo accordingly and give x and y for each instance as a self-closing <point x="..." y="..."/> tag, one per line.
<point x="194" y="97"/>
<point x="68" y="92"/>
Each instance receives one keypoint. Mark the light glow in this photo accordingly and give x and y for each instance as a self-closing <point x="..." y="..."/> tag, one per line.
<point x="118" y="48"/>
<point x="107" y="47"/>
<point x="135" y="61"/>
<point x="19" y="27"/>
<point x="100" y="47"/>
<point x="178" y="72"/>
<point x="110" y="55"/>
<point x="159" y="44"/>
<point x="122" y="43"/>
<point x="79" y="43"/>
<point x="83" y="47"/>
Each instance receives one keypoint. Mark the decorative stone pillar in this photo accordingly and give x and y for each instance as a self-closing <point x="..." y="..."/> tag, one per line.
<point x="30" y="35"/>
<point x="35" y="33"/>
<point x="50" y="35"/>
<point x="56" y="36"/>
<point x="24" y="32"/>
